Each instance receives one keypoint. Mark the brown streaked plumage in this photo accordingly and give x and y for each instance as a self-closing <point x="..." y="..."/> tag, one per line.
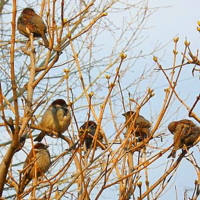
<point x="89" y="128"/>
<point x="41" y="161"/>
<point x="29" y="19"/>
<point x="141" y="127"/>
<point x="56" y="118"/>
<point x="186" y="133"/>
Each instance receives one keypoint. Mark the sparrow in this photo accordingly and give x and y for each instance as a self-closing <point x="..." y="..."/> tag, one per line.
<point x="186" y="134"/>
<point x="57" y="118"/>
<point x="89" y="129"/>
<point x="140" y="128"/>
<point x="29" y="19"/>
<point x="36" y="165"/>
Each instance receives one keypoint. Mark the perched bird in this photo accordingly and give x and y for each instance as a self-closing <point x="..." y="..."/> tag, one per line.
<point x="36" y="165"/>
<point x="186" y="134"/>
<point x="56" y="118"/>
<point x="140" y="128"/>
<point x="89" y="128"/>
<point x="29" y="19"/>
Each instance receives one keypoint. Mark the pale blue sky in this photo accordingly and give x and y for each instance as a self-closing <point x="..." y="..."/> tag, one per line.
<point x="173" y="18"/>
<point x="179" y="19"/>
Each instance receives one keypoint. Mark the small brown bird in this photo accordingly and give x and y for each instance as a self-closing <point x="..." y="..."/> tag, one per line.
<point x="56" y="118"/>
<point x="35" y="166"/>
<point x="29" y="19"/>
<point x="89" y="128"/>
<point x="186" y="134"/>
<point x="141" y="127"/>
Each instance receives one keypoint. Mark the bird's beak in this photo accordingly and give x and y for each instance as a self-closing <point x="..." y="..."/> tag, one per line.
<point x="46" y="146"/>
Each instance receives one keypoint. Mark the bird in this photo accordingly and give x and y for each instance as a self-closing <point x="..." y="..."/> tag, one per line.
<point x="36" y="165"/>
<point x="139" y="127"/>
<point x="29" y="19"/>
<point x="89" y="128"/>
<point x="186" y="134"/>
<point x="57" y="118"/>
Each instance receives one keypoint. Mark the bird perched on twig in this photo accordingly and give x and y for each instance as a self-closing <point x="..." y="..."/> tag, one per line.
<point x="89" y="129"/>
<point x="29" y="19"/>
<point x="139" y="127"/>
<point x="36" y="165"/>
<point x="186" y="134"/>
<point x="56" y="118"/>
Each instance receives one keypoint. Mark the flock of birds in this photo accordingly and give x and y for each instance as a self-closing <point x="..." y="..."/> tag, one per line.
<point x="58" y="118"/>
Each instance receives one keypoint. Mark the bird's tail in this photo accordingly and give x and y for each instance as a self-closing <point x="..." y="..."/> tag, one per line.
<point x="40" y="137"/>
<point x="46" y="42"/>
<point x="172" y="154"/>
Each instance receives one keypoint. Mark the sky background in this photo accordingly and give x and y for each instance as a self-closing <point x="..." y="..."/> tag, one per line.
<point x="172" y="19"/>
<point x="176" y="18"/>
